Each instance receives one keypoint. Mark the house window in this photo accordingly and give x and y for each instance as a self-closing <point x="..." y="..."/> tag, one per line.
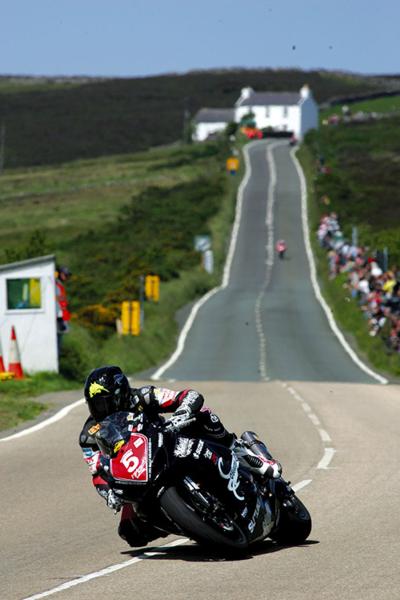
<point x="285" y="112"/>
<point x="267" y="112"/>
<point x="23" y="293"/>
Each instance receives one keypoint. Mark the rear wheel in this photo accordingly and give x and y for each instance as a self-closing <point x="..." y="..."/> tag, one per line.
<point x="294" y="525"/>
<point x="205" y="522"/>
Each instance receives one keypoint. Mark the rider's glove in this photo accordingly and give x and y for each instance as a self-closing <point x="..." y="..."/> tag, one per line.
<point x="180" y="419"/>
<point x="113" y="501"/>
<point x="274" y="469"/>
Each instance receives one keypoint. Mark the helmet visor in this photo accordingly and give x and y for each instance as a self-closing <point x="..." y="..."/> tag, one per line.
<point x="100" y="407"/>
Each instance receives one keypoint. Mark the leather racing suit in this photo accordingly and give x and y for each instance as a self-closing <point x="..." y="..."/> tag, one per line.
<point x="152" y="400"/>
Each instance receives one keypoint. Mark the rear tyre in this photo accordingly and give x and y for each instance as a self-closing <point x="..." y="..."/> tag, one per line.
<point x="199" y="525"/>
<point x="294" y="525"/>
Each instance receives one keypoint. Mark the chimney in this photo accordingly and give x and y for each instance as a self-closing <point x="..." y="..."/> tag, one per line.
<point x="305" y="91"/>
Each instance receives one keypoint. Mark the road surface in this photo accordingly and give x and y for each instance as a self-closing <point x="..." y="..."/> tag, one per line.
<point x="264" y="356"/>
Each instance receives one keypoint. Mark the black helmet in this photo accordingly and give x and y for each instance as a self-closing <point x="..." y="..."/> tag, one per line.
<point x="107" y="391"/>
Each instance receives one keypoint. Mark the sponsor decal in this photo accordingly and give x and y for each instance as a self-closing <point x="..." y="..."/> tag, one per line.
<point x="94" y="429"/>
<point x="138" y="442"/>
<point x="160" y="440"/>
<point x="252" y="524"/>
<point x="141" y="469"/>
<point x="232" y="476"/>
<point x="199" y="448"/>
<point x="130" y="417"/>
<point x="183" y="447"/>
<point x="97" y="388"/>
<point x="93" y="462"/>
<point x="208" y="454"/>
<point x="214" y="418"/>
<point x="118" y="446"/>
<point x="190" y="396"/>
<point x="163" y="395"/>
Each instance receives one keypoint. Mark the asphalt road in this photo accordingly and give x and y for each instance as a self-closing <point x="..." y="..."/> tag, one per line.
<point x="334" y="429"/>
<point x="267" y="323"/>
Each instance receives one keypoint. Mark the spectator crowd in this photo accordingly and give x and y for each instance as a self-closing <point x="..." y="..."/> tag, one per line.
<point x="377" y="291"/>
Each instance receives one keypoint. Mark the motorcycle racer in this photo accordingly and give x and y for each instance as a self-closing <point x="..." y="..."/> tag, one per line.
<point x="107" y="391"/>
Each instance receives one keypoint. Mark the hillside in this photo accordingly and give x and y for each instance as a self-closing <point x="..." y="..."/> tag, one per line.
<point x="113" y="220"/>
<point x="53" y="121"/>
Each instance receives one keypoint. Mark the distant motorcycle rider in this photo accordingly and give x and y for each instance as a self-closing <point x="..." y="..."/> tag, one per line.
<point x="281" y="248"/>
<point x="107" y="391"/>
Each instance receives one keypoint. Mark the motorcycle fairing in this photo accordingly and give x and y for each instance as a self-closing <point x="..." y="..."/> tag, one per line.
<point x="132" y="461"/>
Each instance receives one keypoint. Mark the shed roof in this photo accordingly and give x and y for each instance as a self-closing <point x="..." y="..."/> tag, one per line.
<point x="39" y="260"/>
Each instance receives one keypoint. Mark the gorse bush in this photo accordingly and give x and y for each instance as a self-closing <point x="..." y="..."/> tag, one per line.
<point x="154" y="234"/>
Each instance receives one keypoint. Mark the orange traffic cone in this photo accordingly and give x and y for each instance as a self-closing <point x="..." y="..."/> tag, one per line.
<point x="2" y="367"/>
<point x="14" y="364"/>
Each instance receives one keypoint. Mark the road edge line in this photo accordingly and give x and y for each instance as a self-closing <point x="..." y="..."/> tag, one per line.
<point x="226" y="273"/>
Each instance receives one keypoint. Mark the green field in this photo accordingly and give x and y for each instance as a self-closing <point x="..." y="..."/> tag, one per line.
<point x="389" y="104"/>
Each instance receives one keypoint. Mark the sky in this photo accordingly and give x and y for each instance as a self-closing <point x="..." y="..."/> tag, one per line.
<point x="129" y="38"/>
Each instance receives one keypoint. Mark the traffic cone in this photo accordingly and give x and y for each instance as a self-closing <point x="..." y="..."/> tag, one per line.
<point x="14" y="364"/>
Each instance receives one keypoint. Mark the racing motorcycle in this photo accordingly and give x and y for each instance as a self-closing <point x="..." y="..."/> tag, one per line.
<point x="195" y="487"/>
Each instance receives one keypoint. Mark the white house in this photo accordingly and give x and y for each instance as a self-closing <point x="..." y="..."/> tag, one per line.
<point x="211" y="120"/>
<point x="294" y="112"/>
<point x="28" y="303"/>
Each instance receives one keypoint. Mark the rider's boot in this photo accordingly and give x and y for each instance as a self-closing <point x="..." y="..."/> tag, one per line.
<point x="254" y="455"/>
<point x="134" y="530"/>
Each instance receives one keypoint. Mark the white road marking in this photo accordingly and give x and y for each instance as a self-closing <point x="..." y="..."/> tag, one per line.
<point x="314" y="281"/>
<point x="53" y="419"/>
<point x="326" y="459"/>
<point x="106" y="571"/>
<point x="325" y="437"/>
<point x="299" y="486"/>
<point x="226" y="275"/>
<point x="314" y="419"/>
<point x="269" y="261"/>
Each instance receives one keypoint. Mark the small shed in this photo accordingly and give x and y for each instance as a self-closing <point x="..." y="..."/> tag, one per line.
<point x="28" y="303"/>
<point x="209" y="121"/>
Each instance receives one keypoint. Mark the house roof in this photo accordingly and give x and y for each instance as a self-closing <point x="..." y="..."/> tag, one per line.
<point x="215" y="115"/>
<point x="271" y="99"/>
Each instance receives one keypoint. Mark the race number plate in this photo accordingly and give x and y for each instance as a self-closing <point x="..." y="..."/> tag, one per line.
<point x="131" y="462"/>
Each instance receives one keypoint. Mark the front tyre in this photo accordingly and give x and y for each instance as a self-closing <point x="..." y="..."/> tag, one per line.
<point x="216" y="528"/>
<point x="294" y="524"/>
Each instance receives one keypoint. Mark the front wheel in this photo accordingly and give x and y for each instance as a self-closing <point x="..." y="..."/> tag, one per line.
<point x="294" y="524"/>
<point x="200" y="523"/>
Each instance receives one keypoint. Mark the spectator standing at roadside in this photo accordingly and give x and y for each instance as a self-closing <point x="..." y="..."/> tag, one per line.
<point x="63" y="314"/>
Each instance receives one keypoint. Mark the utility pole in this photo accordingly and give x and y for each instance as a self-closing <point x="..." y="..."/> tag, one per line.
<point x="2" y="145"/>
<point x="186" y="121"/>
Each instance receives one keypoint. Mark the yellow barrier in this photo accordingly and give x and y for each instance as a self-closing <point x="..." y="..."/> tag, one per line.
<point x="152" y="287"/>
<point x="130" y="317"/>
